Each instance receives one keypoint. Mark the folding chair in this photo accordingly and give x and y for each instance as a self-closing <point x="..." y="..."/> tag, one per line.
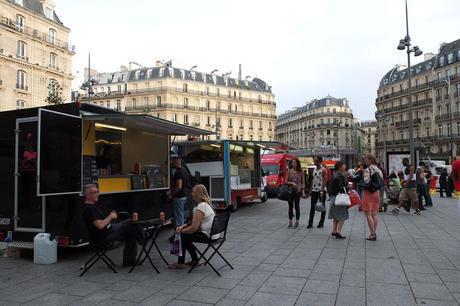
<point x="219" y="226"/>
<point x="100" y="249"/>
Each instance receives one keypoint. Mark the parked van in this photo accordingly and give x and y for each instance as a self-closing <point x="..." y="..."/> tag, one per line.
<point x="275" y="168"/>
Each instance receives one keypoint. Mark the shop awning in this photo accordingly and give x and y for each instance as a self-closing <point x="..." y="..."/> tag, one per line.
<point x="146" y="122"/>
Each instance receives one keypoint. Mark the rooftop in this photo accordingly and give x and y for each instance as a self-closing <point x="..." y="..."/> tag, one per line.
<point x="315" y="104"/>
<point x="37" y="7"/>
<point x="164" y="72"/>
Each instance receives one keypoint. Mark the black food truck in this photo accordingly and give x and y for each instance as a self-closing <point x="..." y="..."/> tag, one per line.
<point x="48" y="154"/>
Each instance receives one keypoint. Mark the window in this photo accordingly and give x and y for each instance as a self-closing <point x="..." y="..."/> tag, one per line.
<point x="133" y="102"/>
<point x="438" y="94"/>
<point x="218" y="92"/>
<point x="186" y="119"/>
<point x="18" y="2"/>
<point x="21" y="51"/>
<point x="52" y="36"/>
<point x="448" y="74"/>
<point x="185" y="102"/>
<point x="450" y="58"/>
<point x="448" y="129"/>
<point x="158" y="101"/>
<point x="440" y="130"/>
<point x="49" y="13"/>
<point x="208" y="105"/>
<point x="229" y="107"/>
<point x="458" y="128"/>
<point x="20" y="23"/>
<point x="260" y="125"/>
<point x="20" y="104"/>
<point x="185" y="87"/>
<point x="208" y="121"/>
<point x="108" y="104"/>
<point x="218" y="106"/>
<point x="269" y="126"/>
<point x="230" y="122"/>
<point x="441" y="60"/>
<point x="119" y="88"/>
<point x="207" y="91"/>
<point x="174" y="117"/>
<point x="21" y="80"/>
<point x="458" y="70"/>
<point x="118" y="105"/>
<point x="250" y="124"/>
<point x="53" y="60"/>
<point x="146" y="101"/>
<point x="241" y="123"/>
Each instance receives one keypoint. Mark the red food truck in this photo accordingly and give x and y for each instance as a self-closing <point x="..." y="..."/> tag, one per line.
<point x="275" y="168"/>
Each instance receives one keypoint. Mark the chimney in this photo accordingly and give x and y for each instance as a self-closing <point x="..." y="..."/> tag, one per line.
<point x="427" y="56"/>
<point x="240" y="73"/>
<point x="158" y="63"/>
<point x="123" y="68"/>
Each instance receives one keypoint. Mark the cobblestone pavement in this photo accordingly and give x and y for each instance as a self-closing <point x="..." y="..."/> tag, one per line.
<point x="416" y="261"/>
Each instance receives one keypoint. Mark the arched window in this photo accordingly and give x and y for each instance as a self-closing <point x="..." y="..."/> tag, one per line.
<point x="21" y="80"/>
<point x="52" y="36"/>
<point x="21" y="50"/>
<point x="53" y="60"/>
<point x="20" y="104"/>
<point x="20" y="23"/>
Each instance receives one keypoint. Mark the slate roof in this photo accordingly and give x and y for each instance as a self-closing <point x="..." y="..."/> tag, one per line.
<point x="324" y="102"/>
<point x="147" y="73"/>
<point x="35" y="6"/>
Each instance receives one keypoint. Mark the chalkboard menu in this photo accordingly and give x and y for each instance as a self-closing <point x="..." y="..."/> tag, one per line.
<point x="137" y="182"/>
<point x="90" y="170"/>
<point x="154" y="176"/>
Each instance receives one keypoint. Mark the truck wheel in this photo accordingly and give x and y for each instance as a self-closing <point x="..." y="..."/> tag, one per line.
<point x="264" y="197"/>
<point x="236" y="203"/>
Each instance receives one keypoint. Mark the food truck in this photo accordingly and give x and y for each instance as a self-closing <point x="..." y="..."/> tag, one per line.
<point x="230" y="169"/>
<point x="48" y="154"/>
<point x="276" y="167"/>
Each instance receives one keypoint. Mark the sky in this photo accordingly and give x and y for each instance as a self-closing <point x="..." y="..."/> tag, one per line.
<point x="304" y="49"/>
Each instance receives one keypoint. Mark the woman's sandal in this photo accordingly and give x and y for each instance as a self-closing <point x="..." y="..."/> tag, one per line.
<point x="372" y="237"/>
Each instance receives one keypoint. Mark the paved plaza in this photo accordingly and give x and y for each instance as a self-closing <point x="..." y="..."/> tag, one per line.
<point x="416" y="261"/>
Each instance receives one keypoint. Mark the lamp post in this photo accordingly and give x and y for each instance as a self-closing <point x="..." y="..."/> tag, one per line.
<point x="384" y="119"/>
<point x="405" y="44"/>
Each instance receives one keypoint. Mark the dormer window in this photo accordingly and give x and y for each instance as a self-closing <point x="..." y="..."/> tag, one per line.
<point x="161" y="72"/>
<point x="19" y="2"/>
<point x="182" y="73"/>
<point x="171" y="72"/>
<point x="49" y="13"/>
<point x="137" y="74"/>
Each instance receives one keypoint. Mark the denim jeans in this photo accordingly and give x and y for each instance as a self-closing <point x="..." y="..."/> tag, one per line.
<point x="178" y="207"/>
<point x="422" y="194"/>
<point x="127" y="234"/>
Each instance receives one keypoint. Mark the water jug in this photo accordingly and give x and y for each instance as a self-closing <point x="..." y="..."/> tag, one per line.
<point x="45" y="249"/>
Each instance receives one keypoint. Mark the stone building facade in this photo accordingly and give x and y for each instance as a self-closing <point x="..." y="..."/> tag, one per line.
<point x="324" y="126"/>
<point x="436" y="106"/>
<point x="34" y="51"/>
<point x="231" y="107"/>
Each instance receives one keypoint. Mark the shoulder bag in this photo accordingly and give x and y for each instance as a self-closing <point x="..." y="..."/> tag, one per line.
<point x="342" y="199"/>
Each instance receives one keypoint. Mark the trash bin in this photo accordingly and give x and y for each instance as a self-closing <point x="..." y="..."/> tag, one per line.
<point x="45" y="249"/>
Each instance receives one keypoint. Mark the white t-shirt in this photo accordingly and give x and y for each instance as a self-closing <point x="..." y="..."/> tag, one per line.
<point x="208" y="218"/>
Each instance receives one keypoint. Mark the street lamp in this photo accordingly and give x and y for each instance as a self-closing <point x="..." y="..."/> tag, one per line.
<point x="405" y="44"/>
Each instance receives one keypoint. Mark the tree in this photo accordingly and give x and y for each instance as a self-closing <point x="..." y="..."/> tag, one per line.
<point x="54" y="93"/>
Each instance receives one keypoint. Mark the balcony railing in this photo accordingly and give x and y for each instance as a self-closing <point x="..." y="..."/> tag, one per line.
<point x="165" y="89"/>
<point x="447" y="116"/>
<point x="163" y="106"/>
<point x="34" y="33"/>
<point x="22" y="87"/>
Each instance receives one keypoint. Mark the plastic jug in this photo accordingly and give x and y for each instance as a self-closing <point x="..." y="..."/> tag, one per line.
<point x="45" y="249"/>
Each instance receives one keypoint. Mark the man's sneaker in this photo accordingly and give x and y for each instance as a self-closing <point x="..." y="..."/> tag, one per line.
<point x="417" y="212"/>
<point x="395" y="211"/>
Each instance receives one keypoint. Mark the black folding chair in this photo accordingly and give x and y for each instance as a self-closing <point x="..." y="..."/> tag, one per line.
<point x="219" y="226"/>
<point x="100" y="249"/>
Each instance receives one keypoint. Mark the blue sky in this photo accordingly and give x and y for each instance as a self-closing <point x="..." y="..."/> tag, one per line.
<point x="303" y="49"/>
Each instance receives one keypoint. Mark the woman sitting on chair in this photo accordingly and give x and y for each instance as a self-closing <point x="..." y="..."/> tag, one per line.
<point x="198" y="230"/>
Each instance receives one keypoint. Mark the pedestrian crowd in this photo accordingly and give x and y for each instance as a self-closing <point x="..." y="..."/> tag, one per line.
<point x="374" y="188"/>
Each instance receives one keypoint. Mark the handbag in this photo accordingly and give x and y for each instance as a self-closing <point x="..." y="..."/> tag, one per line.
<point x="355" y="199"/>
<point x="342" y="199"/>
<point x="176" y="246"/>
<point x="376" y="182"/>
<point x="285" y="193"/>
<point x="320" y="207"/>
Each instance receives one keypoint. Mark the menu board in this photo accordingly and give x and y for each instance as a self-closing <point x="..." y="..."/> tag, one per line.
<point x="137" y="182"/>
<point x="90" y="170"/>
<point x="154" y="176"/>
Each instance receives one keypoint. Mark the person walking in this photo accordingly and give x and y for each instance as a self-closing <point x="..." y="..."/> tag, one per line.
<point x="296" y="181"/>
<point x="338" y="213"/>
<point x="318" y="188"/>
<point x="409" y="185"/>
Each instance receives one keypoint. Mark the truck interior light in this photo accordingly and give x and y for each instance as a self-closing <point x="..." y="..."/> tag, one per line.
<point x="215" y="145"/>
<point x="107" y="126"/>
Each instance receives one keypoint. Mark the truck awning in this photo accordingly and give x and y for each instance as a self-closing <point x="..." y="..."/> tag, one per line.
<point x="264" y="145"/>
<point x="146" y="122"/>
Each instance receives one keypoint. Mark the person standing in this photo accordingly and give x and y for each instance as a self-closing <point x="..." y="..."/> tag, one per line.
<point x="178" y="192"/>
<point x="371" y="199"/>
<point x="443" y="184"/>
<point x="296" y="180"/>
<point x="408" y="191"/>
<point x="428" y="178"/>
<point x="421" y="185"/>
<point x="318" y="188"/>
<point x="450" y="185"/>
<point x="338" y="213"/>
<point x="383" y="203"/>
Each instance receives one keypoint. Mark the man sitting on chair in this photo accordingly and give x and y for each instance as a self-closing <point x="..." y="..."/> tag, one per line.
<point x="100" y="228"/>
